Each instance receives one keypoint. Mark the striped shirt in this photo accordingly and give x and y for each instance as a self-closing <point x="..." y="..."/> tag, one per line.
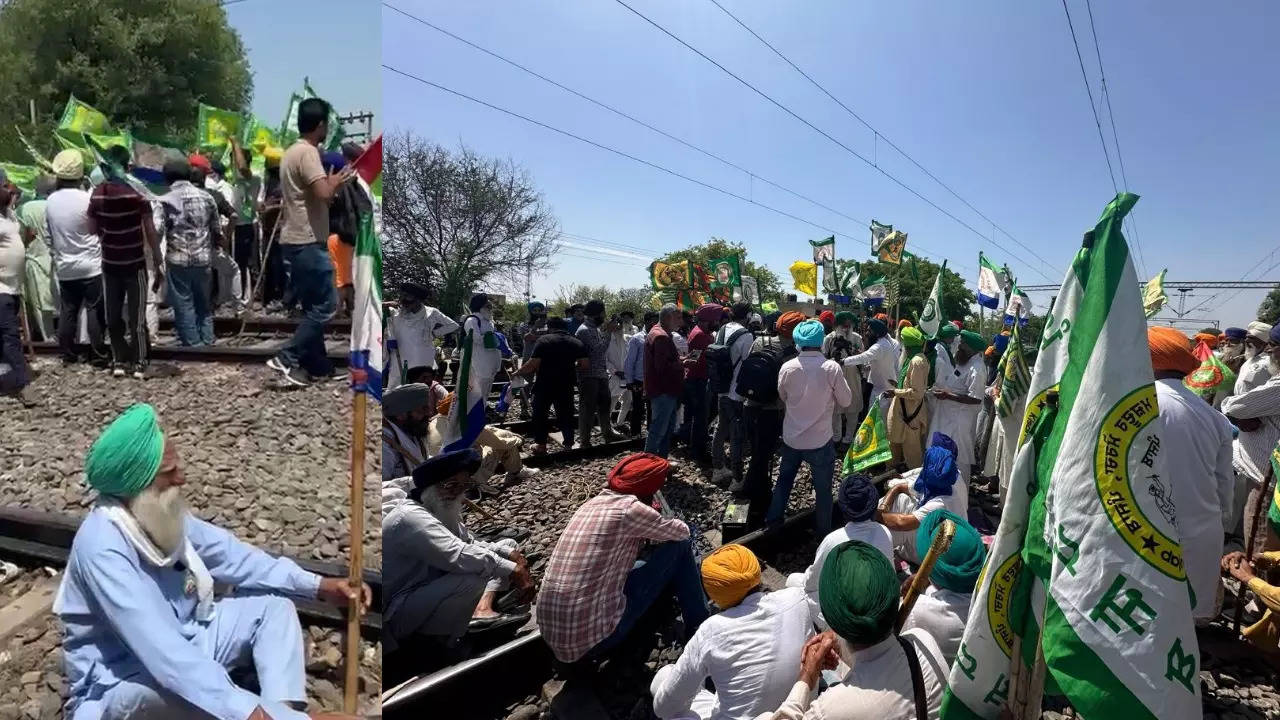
<point x="1252" y="449"/>
<point x="581" y="599"/>
<point x="118" y="210"/>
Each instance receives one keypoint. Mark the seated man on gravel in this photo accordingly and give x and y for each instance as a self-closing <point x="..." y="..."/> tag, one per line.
<point x="857" y="502"/>
<point x="598" y="583"/>
<point x="907" y="503"/>
<point x="498" y="449"/>
<point x="943" y="608"/>
<point x="439" y="579"/>
<point x="749" y="650"/>
<point x="406" y="411"/>
<point x="859" y="596"/>
<point x="144" y="635"/>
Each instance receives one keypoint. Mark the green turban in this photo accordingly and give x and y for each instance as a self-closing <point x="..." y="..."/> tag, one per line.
<point x="858" y="593"/>
<point x="958" y="568"/>
<point x="126" y="456"/>
<point x="911" y="338"/>
<point x="948" y="331"/>
<point x="844" y="316"/>
<point x="973" y="340"/>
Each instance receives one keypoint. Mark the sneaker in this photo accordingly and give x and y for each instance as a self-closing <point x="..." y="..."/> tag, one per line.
<point x="27" y="397"/>
<point x="139" y="373"/>
<point x="297" y="376"/>
<point x="117" y="371"/>
<point x="524" y="474"/>
<point x="278" y="365"/>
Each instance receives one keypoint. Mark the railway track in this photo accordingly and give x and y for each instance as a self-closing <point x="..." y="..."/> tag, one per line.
<point x="263" y="325"/>
<point x="28" y="537"/>
<point x="208" y="353"/>
<point x="526" y="664"/>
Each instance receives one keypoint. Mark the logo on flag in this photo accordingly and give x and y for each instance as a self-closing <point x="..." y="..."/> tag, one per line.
<point x="931" y="316"/>
<point x="871" y="444"/>
<point x="824" y="250"/>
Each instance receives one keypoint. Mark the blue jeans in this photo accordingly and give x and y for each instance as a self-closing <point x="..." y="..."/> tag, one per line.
<point x="822" y="464"/>
<point x="189" y="296"/>
<point x="669" y="567"/>
<point x="311" y="279"/>
<point x="662" y="421"/>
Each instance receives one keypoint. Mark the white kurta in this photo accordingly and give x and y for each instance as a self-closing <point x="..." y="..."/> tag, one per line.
<point x="881" y="360"/>
<point x="414" y="335"/>
<point x="942" y="614"/>
<point x="1199" y="479"/>
<point x="484" y="361"/>
<point x="958" y="420"/>
<point x="868" y="531"/>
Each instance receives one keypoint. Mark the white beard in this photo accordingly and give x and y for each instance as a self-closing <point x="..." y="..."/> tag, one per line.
<point x="160" y="514"/>
<point x="448" y="512"/>
<point x="1250" y="352"/>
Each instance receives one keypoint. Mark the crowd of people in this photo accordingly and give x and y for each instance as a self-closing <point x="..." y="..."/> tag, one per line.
<point x="784" y="390"/>
<point x="96" y="247"/>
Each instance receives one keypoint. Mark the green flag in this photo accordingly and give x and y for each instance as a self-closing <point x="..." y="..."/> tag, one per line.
<point x="1153" y="295"/>
<point x="931" y="315"/>
<point x="1273" y="512"/>
<point x="871" y="446"/>
<point x="1086" y="563"/>
<point x="1015" y="378"/>
<point x="726" y="272"/>
<point x="215" y="127"/>
<point x="79" y="117"/>
<point x="1211" y="376"/>
<point x="23" y="176"/>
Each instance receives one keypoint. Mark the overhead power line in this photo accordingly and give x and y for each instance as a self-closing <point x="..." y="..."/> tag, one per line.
<point x="828" y="136"/>
<point x="620" y="113"/>
<point x="879" y="134"/>
<point x="1255" y="267"/>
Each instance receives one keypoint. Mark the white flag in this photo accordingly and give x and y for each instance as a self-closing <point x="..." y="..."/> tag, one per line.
<point x="931" y="316"/>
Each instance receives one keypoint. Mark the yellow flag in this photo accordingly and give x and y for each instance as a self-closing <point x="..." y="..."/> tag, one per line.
<point x="805" y="275"/>
<point x="671" y="276"/>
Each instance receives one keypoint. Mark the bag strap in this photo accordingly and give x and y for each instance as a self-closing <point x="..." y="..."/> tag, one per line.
<point x="733" y="340"/>
<point x="917" y="680"/>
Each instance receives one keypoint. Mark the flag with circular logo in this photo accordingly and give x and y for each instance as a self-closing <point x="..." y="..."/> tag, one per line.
<point x="931" y="315"/>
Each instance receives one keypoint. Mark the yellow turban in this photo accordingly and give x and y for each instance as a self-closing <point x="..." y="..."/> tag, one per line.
<point x="729" y="573"/>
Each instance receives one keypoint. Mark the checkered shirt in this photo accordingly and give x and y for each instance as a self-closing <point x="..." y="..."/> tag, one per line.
<point x="581" y="599"/>
<point x="190" y="225"/>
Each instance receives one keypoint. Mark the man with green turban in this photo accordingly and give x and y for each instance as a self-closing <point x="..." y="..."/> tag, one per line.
<point x="908" y="419"/>
<point x="841" y="343"/>
<point x="943" y="608"/>
<point x="145" y="636"/>
<point x="858" y="592"/>
<point x="958" y="394"/>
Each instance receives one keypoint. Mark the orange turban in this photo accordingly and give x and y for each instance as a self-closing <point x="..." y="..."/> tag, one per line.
<point x="788" y="322"/>
<point x="445" y="404"/>
<point x="882" y="316"/>
<point x="904" y="323"/>
<point x="1207" y="338"/>
<point x="1171" y="350"/>
<point x="640" y="474"/>
<point x="828" y="319"/>
<point x="729" y="573"/>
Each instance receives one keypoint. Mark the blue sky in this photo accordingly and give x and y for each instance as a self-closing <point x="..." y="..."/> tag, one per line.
<point x="335" y="43"/>
<point x="987" y="96"/>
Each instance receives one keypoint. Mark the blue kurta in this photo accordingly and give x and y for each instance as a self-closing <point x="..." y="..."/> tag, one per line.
<point x="132" y="639"/>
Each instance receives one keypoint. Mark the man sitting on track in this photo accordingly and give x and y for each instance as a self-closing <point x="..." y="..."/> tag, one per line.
<point x="440" y="580"/>
<point x="145" y="637"/>
<point x="406" y="412"/>
<point x="907" y="503"/>
<point x="747" y="650"/>
<point x="498" y="448"/>
<point x="857" y="502"/>
<point x="597" y="585"/>
<point x="859" y="596"/>
<point x="943" y="608"/>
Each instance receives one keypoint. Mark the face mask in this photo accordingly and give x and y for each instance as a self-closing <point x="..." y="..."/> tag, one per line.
<point x="1250" y="352"/>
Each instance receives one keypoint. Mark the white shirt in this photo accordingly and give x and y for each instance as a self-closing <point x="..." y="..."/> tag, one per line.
<point x="905" y="503"/>
<point x="13" y="257"/>
<point x="882" y="358"/>
<point x="878" y="687"/>
<point x="415" y="332"/>
<point x="751" y="652"/>
<point x="77" y="252"/>
<point x="942" y="614"/>
<point x="1252" y="450"/>
<point x="739" y="352"/>
<point x="1196" y="441"/>
<point x="484" y="361"/>
<point x="868" y="531"/>
<point x="1253" y="373"/>
<point x="812" y="387"/>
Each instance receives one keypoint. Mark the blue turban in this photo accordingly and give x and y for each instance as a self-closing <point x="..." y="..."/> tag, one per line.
<point x="1000" y="342"/>
<point x="809" y="334"/>
<point x="858" y="498"/>
<point x="125" y="458"/>
<point x="878" y="326"/>
<point x="333" y="161"/>
<point x="1235" y="333"/>
<point x="937" y="476"/>
<point x="444" y="466"/>
<point x="535" y="305"/>
<point x="944" y="440"/>
<point x="1275" y="333"/>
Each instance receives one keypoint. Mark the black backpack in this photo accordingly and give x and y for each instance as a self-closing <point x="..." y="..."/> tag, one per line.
<point x="758" y="376"/>
<point x="720" y="362"/>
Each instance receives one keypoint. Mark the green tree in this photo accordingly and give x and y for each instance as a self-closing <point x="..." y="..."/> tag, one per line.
<point x="146" y="64"/>
<point x="1269" y="310"/>
<point x="768" y="282"/>
<point x="615" y="301"/>
<point x="915" y="282"/>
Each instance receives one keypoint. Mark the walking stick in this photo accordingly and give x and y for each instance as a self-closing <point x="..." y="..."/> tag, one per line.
<point x="25" y="329"/>
<point x="261" y="275"/>
<point x="1249" y="543"/>
<point x="355" y="568"/>
<point x="941" y="543"/>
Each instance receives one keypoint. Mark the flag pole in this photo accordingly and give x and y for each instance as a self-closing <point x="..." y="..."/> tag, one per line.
<point x="1264" y="501"/>
<point x="355" y="575"/>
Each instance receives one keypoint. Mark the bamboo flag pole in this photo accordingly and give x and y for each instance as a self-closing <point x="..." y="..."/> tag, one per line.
<point x="941" y="543"/>
<point x="26" y="333"/>
<point x="355" y="573"/>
